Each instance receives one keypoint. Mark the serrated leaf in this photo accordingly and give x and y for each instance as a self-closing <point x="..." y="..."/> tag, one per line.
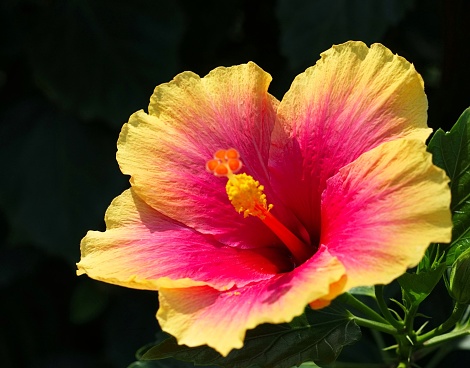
<point x="417" y="286"/>
<point x="332" y="22"/>
<point x="103" y="58"/>
<point x="451" y="152"/>
<point x="275" y="346"/>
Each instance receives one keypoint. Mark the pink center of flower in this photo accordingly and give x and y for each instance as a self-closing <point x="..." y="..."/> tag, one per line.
<point x="247" y="197"/>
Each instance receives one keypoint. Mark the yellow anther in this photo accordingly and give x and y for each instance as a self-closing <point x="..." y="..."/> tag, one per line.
<point x="246" y="195"/>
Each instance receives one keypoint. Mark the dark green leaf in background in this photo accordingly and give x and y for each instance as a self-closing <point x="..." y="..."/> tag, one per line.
<point x="451" y="152"/>
<point x="87" y="301"/>
<point x="275" y="346"/>
<point x="227" y="19"/>
<point x="318" y="24"/>
<point x="103" y="58"/>
<point x="58" y="176"/>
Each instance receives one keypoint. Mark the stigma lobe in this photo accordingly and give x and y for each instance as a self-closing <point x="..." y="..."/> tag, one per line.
<point x="225" y="163"/>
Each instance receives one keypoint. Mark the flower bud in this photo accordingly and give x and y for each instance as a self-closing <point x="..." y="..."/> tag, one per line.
<point x="459" y="279"/>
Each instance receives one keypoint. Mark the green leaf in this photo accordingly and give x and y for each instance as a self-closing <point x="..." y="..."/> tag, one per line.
<point x="103" y="58"/>
<point x="310" y="27"/>
<point x="363" y="290"/>
<point x="417" y="286"/>
<point x="434" y="256"/>
<point x="451" y="152"/>
<point x="275" y="346"/>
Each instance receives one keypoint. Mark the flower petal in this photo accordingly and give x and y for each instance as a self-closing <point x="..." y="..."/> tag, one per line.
<point x="190" y="119"/>
<point x="381" y="212"/>
<point x="202" y="315"/>
<point x="352" y="100"/>
<point x="143" y="249"/>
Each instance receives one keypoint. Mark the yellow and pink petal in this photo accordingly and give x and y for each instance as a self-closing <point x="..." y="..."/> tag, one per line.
<point x="190" y="119"/>
<point x="352" y="100"/>
<point x="143" y="249"/>
<point x="381" y="212"/>
<point x="334" y="161"/>
<point x="202" y="315"/>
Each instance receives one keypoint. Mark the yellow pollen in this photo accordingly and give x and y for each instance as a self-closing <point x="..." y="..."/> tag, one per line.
<point x="246" y="195"/>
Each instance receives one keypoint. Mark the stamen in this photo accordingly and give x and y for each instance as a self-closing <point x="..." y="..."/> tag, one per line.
<point x="247" y="197"/>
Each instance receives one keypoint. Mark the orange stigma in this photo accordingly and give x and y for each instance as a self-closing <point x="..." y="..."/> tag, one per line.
<point x="247" y="197"/>
<point x="225" y="162"/>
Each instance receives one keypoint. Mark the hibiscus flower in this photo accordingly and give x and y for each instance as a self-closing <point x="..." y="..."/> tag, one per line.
<point x="244" y="210"/>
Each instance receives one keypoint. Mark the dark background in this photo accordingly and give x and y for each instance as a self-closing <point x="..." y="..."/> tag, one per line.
<point x="72" y="72"/>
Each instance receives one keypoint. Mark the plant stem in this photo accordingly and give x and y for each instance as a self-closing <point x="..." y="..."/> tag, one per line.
<point x="409" y="322"/>
<point x="448" y="337"/>
<point x="379" y="295"/>
<point x="382" y="327"/>
<point x="457" y="313"/>
<point x="362" y="307"/>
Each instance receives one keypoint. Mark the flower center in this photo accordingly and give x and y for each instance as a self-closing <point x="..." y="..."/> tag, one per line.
<point x="247" y="197"/>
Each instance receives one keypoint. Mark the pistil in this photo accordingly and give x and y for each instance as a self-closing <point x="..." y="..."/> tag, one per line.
<point x="299" y="250"/>
<point x="246" y="195"/>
